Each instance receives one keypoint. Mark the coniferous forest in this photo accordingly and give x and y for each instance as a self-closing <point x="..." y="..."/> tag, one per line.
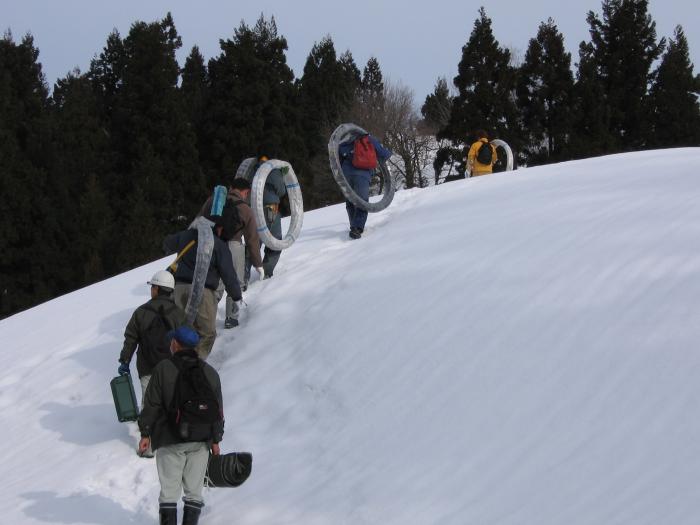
<point x="96" y="170"/>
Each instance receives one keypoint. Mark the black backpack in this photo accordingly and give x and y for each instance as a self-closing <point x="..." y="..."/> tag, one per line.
<point x="195" y="413"/>
<point x="231" y="219"/>
<point x="485" y="154"/>
<point x="154" y="345"/>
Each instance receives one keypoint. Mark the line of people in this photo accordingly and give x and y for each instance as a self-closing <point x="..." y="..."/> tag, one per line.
<point x="171" y="356"/>
<point x="169" y="352"/>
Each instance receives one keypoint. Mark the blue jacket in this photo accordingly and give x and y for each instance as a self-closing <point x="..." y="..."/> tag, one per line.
<point x="220" y="267"/>
<point x="345" y="152"/>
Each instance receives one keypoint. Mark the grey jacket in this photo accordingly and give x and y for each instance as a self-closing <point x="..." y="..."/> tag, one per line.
<point x="275" y="188"/>
<point x="139" y="323"/>
<point x="153" y="420"/>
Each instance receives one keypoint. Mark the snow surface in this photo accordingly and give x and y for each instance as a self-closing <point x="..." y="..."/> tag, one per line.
<point x="514" y="349"/>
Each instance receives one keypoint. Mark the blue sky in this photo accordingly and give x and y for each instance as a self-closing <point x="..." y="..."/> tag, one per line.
<point x="415" y="42"/>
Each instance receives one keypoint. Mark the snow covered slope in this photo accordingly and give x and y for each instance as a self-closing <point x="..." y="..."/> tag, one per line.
<point x="522" y="348"/>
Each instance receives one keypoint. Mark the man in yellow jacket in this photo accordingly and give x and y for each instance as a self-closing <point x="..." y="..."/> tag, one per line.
<point x="479" y="162"/>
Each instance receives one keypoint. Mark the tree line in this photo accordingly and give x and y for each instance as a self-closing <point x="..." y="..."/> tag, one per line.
<point x="94" y="173"/>
<point x="630" y="91"/>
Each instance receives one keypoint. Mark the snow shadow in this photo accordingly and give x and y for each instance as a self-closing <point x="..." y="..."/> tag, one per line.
<point x="324" y="233"/>
<point x="79" y="508"/>
<point x="115" y="324"/>
<point x="101" y="358"/>
<point x="85" y="425"/>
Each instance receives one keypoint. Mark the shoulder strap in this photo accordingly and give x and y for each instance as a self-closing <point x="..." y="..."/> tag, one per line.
<point x="235" y="203"/>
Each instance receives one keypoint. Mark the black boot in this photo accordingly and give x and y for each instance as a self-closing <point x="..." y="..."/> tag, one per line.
<point x="192" y="511"/>
<point x="168" y="513"/>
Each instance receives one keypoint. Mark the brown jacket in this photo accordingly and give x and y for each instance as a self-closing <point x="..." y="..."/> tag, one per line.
<point x="250" y="226"/>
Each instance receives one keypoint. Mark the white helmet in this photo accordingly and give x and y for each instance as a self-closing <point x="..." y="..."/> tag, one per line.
<point x="163" y="279"/>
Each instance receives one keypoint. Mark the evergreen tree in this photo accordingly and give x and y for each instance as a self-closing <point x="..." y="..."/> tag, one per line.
<point x="590" y="131"/>
<point x="25" y="218"/>
<point x="372" y="86"/>
<point x="78" y="155"/>
<point x="138" y="223"/>
<point x="437" y="107"/>
<point x="545" y="85"/>
<point x="622" y="49"/>
<point x="372" y="80"/>
<point x="486" y="85"/>
<point x="156" y="126"/>
<point x="106" y="74"/>
<point x="95" y="242"/>
<point x="368" y="108"/>
<point x="251" y="107"/>
<point x="195" y="89"/>
<point x="349" y="70"/>
<point x="674" y="98"/>
<point x="327" y="92"/>
<point x="153" y="146"/>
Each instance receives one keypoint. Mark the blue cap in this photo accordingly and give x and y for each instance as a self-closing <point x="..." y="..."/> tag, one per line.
<point x="184" y="335"/>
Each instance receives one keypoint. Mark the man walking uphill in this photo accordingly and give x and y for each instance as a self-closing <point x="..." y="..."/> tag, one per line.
<point x="220" y="267"/>
<point x="146" y="332"/>
<point x="358" y="160"/>
<point x="482" y="156"/>
<point x="245" y="228"/>
<point x="273" y="192"/>
<point x="182" y="419"/>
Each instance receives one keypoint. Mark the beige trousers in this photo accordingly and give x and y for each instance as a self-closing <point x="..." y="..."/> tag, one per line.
<point x="205" y="323"/>
<point x="182" y="466"/>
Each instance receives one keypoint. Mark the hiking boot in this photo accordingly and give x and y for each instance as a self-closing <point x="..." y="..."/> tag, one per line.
<point x="355" y="233"/>
<point x="192" y="511"/>
<point x="168" y="514"/>
<point x="230" y="322"/>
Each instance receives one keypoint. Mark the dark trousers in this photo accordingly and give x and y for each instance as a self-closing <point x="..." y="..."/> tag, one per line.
<point x="359" y="182"/>
<point x="274" y="223"/>
<point x="271" y="257"/>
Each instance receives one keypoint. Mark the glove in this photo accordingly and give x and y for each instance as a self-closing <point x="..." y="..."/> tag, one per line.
<point x="124" y="369"/>
<point x="261" y="272"/>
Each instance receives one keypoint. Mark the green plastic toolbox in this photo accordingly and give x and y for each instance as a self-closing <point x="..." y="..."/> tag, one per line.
<point x="124" y="398"/>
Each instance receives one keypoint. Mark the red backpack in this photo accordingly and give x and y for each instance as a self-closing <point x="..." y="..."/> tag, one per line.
<point x="364" y="156"/>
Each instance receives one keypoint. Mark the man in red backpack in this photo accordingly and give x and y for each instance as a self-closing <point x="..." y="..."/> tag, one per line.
<point x="358" y="159"/>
